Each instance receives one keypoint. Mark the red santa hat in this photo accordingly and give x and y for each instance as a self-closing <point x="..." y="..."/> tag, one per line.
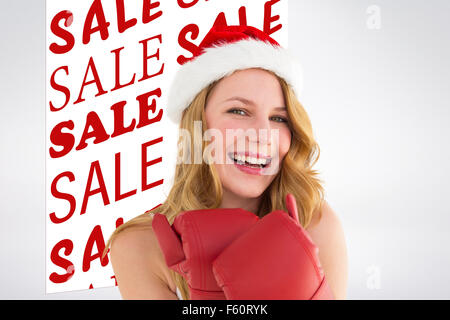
<point x="224" y="50"/>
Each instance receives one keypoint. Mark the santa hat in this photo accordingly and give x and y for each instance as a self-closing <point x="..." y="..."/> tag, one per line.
<point x="224" y="50"/>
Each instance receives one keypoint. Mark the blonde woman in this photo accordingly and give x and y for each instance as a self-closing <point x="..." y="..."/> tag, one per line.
<point x="240" y="78"/>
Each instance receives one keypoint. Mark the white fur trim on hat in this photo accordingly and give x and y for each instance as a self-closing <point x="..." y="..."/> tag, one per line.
<point x="221" y="60"/>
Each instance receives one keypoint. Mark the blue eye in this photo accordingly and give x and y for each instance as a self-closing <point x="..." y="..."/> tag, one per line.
<point x="238" y="110"/>
<point x="282" y="119"/>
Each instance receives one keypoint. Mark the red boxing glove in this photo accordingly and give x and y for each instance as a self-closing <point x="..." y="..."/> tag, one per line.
<point x="274" y="260"/>
<point x="195" y="239"/>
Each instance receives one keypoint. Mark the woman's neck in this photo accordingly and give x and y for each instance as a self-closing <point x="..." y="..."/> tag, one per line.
<point x="230" y="200"/>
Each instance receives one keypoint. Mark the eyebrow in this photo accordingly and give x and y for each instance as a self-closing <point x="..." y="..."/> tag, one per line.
<point x="252" y="103"/>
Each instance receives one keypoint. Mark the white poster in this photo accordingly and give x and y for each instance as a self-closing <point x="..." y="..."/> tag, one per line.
<point x="110" y="149"/>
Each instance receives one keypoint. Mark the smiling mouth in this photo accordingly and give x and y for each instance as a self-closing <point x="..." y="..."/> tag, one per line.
<point x="252" y="162"/>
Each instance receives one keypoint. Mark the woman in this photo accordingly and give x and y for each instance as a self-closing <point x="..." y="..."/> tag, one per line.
<point x="239" y="79"/>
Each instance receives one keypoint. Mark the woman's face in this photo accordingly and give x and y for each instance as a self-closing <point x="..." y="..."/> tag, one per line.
<point x="250" y="100"/>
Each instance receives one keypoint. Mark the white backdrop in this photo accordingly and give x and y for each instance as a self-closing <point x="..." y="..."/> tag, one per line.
<point x="377" y="79"/>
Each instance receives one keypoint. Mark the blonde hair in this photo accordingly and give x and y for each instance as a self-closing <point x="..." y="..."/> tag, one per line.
<point x="197" y="186"/>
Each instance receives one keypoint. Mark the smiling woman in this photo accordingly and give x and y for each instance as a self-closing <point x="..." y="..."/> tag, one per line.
<point x="275" y="224"/>
<point x="259" y="97"/>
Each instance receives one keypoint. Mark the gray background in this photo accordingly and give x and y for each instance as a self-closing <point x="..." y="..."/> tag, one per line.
<point x="379" y="104"/>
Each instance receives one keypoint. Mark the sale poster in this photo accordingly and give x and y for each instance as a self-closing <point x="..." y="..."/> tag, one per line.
<point x="110" y="149"/>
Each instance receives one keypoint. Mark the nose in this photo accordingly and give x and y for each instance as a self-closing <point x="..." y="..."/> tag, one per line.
<point x="262" y="132"/>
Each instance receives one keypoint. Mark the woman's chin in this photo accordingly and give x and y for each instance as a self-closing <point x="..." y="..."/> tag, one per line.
<point x="242" y="183"/>
<point x="245" y="189"/>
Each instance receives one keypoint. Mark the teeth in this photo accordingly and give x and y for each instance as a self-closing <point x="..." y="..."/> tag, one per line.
<point x="252" y="160"/>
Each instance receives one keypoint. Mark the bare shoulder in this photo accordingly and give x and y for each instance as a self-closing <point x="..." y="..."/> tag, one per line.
<point x="139" y="265"/>
<point x="327" y="233"/>
<point x="324" y="221"/>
